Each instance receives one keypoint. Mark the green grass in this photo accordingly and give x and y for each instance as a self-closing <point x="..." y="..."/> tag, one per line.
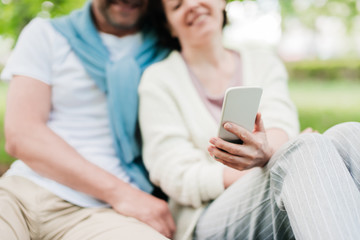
<point x="324" y="104"/>
<point x="320" y="104"/>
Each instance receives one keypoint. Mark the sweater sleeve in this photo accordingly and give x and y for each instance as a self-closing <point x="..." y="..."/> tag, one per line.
<point x="183" y="170"/>
<point x="276" y="106"/>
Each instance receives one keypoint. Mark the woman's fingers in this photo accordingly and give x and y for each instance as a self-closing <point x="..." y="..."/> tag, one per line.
<point x="248" y="141"/>
<point x="253" y="152"/>
<point x="232" y="148"/>
<point x="259" y="124"/>
<point x="309" y="130"/>
<point x="230" y="160"/>
<point x="238" y="131"/>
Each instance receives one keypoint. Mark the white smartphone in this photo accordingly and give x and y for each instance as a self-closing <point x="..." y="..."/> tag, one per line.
<point x="240" y="107"/>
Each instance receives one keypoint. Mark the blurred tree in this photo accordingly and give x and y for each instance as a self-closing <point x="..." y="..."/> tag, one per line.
<point x="307" y="11"/>
<point x="15" y="14"/>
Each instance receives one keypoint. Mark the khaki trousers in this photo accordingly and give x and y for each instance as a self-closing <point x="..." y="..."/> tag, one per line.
<point x="28" y="211"/>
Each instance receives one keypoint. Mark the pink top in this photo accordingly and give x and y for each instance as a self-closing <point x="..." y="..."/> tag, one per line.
<point x="214" y="103"/>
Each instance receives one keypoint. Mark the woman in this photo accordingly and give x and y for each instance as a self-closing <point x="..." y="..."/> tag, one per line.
<point x="180" y="104"/>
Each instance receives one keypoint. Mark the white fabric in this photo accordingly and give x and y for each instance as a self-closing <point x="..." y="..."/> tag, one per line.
<point x="79" y="111"/>
<point x="177" y="126"/>
<point x="308" y="190"/>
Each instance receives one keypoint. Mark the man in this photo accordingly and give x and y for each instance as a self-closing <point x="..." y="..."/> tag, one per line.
<point x="71" y="119"/>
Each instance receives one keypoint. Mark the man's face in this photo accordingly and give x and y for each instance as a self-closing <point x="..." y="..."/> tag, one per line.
<point x="122" y="15"/>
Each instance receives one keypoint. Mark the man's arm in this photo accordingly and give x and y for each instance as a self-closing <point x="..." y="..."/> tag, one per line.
<point x="29" y="139"/>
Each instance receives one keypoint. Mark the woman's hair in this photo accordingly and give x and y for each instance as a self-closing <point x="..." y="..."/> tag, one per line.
<point x="160" y="24"/>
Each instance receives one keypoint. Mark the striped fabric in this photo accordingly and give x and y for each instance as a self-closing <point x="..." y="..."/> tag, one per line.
<point x="309" y="190"/>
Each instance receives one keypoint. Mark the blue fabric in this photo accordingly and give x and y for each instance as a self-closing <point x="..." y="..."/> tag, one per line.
<point x="118" y="80"/>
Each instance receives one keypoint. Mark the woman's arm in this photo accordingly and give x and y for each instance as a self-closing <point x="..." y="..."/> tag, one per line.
<point x="29" y="139"/>
<point x="277" y="111"/>
<point x="175" y="136"/>
<point x="235" y="170"/>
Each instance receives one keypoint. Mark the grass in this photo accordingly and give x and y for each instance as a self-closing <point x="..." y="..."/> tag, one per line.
<point x="320" y="104"/>
<point x="324" y="104"/>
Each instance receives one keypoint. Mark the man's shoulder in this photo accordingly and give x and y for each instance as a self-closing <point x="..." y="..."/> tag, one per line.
<point x="165" y="72"/>
<point x="38" y="29"/>
<point x="39" y="24"/>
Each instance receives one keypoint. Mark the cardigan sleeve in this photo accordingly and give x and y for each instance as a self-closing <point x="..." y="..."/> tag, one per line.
<point x="183" y="170"/>
<point x="276" y="106"/>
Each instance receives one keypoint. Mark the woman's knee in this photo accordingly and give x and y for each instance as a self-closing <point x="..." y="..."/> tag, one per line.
<point x="306" y="151"/>
<point x="304" y="155"/>
<point x="345" y="137"/>
<point x="344" y="130"/>
<point x="304" y="143"/>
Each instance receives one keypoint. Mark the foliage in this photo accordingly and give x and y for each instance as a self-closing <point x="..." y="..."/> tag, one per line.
<point x="309" y="11"/>
<point x="4" y="158"/>
<point x="15" y="14"/>
<point x="325" y="70"/>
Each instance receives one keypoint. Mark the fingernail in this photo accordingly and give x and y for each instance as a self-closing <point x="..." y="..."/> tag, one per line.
<point x="213" y="140"/>
<point x="228" y="125"/>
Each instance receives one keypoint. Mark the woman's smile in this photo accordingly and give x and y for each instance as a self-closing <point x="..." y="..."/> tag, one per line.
<point x="196" y="18"/>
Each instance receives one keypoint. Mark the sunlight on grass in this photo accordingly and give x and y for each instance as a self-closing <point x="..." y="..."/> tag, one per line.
<point x="323" y="104"/>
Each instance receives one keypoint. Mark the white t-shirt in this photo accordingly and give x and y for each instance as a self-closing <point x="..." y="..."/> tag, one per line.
<point x="79" y="110"/>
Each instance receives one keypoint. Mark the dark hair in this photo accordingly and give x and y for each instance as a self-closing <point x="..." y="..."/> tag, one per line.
<point x="160" y="24"/>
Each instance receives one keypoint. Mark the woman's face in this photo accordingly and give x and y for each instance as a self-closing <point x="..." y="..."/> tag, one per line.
<point x="193" y="21"/>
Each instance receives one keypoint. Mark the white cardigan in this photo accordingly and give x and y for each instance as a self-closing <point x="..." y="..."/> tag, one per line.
<point x="176" y="127"/>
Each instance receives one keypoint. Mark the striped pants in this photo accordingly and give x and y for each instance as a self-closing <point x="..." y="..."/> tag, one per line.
<point x="309" y="190"/>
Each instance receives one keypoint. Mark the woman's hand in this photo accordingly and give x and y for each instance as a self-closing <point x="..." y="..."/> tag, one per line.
<point x="254" y="152"/>
<point x="309" y="130"/>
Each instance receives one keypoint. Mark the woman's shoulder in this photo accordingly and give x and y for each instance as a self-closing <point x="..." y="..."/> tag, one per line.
<point x="169" y="63"/>
<point x="172" y="66"/>
<point x="255" y="52"/>
<point x="258" y="57"/>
